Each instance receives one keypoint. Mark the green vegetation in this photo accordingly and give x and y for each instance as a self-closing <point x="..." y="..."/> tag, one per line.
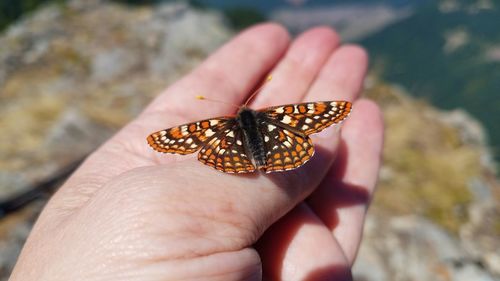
<point x="13" y="10"/>
<point x="243" y="16"/>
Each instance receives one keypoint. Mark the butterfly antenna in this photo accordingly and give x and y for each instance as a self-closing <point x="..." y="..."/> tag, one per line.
<point x="268" y="78"/>
<point x="199" y="97"/>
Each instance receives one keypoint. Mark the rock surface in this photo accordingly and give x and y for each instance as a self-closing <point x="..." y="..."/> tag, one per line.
<point x="413" y="248"/>
<point x="72" y="75"/>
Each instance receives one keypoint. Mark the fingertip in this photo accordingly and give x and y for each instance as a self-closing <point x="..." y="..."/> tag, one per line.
<point x="326" y="33"/>
<point x="274" y="32"/>
<point x="342" y="75"/>
<point x="355" y="57"/>
<point x="357" y="52"/>
<point x="320" y="39"/>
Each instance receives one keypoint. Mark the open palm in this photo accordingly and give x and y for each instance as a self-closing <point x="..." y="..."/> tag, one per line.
<point x="129" y="213"/>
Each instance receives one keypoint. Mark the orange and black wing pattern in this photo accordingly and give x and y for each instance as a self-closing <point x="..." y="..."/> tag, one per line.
<point x="187" y="138"/>
<point x="309" y="118"/>
<point x="285" y="150"/>
<point x="227" y="152"/>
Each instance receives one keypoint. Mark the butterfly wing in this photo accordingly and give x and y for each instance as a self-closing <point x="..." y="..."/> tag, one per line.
<point x="226" y="152"/>
<point x="187" y="138"/>
<point x="308" y="118"/>
<point x="287" y="128"/>
<point x="285" y="150"/>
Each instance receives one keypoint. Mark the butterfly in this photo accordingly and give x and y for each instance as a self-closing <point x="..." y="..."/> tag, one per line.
<point x="271" y="139"/>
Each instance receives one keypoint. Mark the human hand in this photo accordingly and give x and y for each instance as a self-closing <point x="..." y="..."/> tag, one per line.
<point x="130" y="213"/>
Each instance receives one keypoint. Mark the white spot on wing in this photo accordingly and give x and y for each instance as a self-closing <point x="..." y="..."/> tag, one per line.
<point x="266" y="138"/>
<point x="230" y="134"/>
<point x="209" y="132"/>
<point x="286" y="119"/>
<point x="238" y="142"/>
<point x="305" y="127"/>
<point x="280" y="110"/>
<point x="309" y="120"/>
<point x="271" y="127"/>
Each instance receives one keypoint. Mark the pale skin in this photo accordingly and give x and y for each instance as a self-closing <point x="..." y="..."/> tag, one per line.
<point x="130" y="213"/>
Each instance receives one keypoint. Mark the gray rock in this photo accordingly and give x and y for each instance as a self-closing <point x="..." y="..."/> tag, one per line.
<point x="110" y="64"/>
<point x="413" y="248"/>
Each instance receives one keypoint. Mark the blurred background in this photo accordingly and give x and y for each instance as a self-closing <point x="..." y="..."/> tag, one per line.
<point x="72" y="72"/>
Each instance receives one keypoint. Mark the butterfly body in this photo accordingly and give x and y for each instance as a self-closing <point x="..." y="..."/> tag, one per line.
<point x="271" y="139"/>
<point x="250" y="122"/>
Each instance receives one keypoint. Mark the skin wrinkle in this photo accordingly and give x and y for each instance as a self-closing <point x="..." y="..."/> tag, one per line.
<point x="178" y="261"/>
<point x="256" y="265"/>
<point x="191" y="232"/>
<point x="182" y="206"/>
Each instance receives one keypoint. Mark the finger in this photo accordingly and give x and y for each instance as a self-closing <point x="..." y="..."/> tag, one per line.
<point x="341" y="76"/>
<point x="343" y="197"/>
<point x="228" y="75"/>
<point x="300" y="247"/>
<point x="295" y="73"/>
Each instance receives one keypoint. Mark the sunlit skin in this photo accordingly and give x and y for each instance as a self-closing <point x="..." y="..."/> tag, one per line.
<point x="130" y="213"/>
